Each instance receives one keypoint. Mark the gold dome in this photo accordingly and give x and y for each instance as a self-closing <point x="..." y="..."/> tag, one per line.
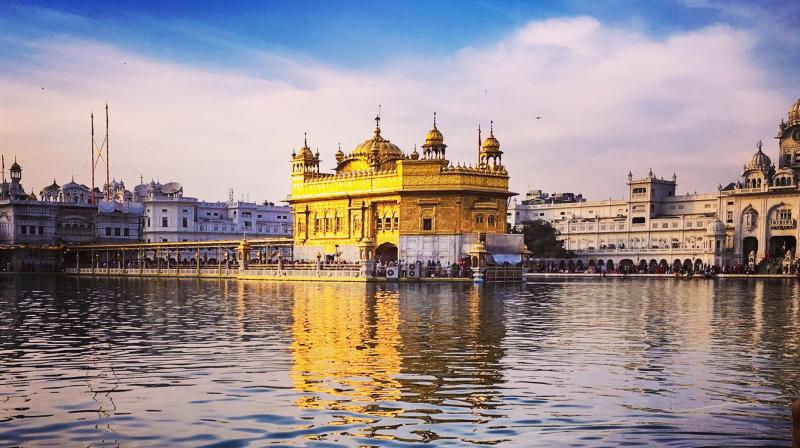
<point x="491" y="144"/>
<point x="434" y="137"/>
<point x="305" y="151"/>
<point x="339" y="155"/>
<point x="386" y="149"/>
<point x="794" y="113"/>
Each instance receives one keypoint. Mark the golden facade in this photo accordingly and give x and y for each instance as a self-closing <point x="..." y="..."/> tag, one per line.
<point x="381" y="203"/>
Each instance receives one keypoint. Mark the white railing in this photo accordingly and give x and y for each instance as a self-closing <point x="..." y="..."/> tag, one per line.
<point x="682" y="250"/>
<point x="779" y="224"/>
<point x="301" y="270"/>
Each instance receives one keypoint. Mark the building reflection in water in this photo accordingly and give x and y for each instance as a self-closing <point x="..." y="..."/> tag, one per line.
<point x="434" y="357"/>
<point x="345" y="348"/>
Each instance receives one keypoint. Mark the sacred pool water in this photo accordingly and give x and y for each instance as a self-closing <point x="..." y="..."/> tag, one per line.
<point x="154" y="362"/>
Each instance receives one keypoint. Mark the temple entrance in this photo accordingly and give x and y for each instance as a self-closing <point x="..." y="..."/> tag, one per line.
<point x="749" y="244"/>
<point x="386" y="253"/>
<point x="778" y="245"/>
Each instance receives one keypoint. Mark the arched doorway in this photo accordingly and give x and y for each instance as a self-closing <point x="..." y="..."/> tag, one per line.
<point x="610" y="265"/>
<point x="651" y="267"/>
<point x="643" y="266"/>
<point x="779" y="245"/>
<point x="676" y="265"/>
<point x="687" y="265"/>
<point x="749" y="244"/>
<point x="386" y="253"/>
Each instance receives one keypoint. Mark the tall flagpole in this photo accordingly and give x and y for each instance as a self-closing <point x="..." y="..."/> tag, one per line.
<point x="91" y="194"/>
<point x="108" y="163"/>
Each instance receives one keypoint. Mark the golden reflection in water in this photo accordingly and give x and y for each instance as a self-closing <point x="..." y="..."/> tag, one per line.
<point x="345" y="348"/>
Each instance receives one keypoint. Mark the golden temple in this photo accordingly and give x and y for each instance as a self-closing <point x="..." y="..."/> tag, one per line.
<point x="382" y="204"/>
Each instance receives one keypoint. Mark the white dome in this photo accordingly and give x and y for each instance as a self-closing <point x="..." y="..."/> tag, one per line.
<point x="759" y="161"/>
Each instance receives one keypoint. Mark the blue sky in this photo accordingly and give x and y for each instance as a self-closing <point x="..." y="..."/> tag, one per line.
<point x="313" y="48"/>
<point x="357" y="33"/>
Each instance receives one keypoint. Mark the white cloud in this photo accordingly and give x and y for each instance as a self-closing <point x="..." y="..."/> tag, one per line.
<point x="610" y="99"/>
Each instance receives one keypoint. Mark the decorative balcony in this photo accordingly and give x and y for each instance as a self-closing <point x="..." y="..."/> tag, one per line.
<point x="782" y="224"/>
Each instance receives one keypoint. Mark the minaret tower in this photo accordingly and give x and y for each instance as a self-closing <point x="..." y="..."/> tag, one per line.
<point x="305" y="161"/>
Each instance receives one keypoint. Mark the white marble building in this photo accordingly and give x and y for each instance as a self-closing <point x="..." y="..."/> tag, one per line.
<point x="172" y="217"/>
<point x="751" y="220"/>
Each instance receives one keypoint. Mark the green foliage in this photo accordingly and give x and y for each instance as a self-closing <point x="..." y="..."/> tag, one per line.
<point x="542" y="240"/>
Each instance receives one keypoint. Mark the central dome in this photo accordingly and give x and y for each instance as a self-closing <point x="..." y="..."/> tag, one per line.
<point x="386" y="149"/>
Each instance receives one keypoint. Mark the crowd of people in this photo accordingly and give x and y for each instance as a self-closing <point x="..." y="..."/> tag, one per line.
<point x="429" y="269"/>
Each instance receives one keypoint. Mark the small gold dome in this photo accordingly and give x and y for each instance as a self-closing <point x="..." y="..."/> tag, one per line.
<point x="305" y="151"/>
<point x="434" y="137"/>
<point x="491" y="144"/>
<point x="414" y="154"/>
<point x="794" y="113"/>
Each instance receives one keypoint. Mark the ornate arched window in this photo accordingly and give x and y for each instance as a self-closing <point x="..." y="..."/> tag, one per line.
<point x="479" y="219"/>
<point x="490" y="221"/>
<point x="750" y="219"/>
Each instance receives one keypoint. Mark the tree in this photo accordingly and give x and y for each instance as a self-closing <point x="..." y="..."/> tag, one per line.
<point x="541" y="238"/>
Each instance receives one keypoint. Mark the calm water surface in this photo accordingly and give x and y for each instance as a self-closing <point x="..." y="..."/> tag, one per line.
<point x="602" y="362"/>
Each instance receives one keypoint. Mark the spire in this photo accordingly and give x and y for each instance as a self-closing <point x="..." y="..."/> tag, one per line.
<point x="305" y="139"/>
<point x="378" y="121"/>
<point x="491" y="127"/>
<point x="434" y="120"/>
<point x="758" y="145"/>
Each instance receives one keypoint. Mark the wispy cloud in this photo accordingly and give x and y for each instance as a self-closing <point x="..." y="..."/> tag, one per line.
<point x="610" y="99"/>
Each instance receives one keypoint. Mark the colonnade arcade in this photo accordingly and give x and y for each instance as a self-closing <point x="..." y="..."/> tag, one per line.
<point x="181" y="255"/>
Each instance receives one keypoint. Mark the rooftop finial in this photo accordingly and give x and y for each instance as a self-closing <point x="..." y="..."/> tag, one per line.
<point x="378" y="121"/>
<point x="491" y="128"/>
<point x="305" y="139"/>
<point x="434" y="119"/>
<point x="758" y="145"/>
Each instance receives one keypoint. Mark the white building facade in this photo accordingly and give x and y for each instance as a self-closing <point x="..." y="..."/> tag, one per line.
<point x="751" y="221"/>
<point x="171" y="217"/>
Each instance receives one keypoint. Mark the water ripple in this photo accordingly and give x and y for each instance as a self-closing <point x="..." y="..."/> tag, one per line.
<point x="222" y="363"/>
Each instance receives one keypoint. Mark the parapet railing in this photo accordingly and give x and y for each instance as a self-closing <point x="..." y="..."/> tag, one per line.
<point x="781" y="224"/>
